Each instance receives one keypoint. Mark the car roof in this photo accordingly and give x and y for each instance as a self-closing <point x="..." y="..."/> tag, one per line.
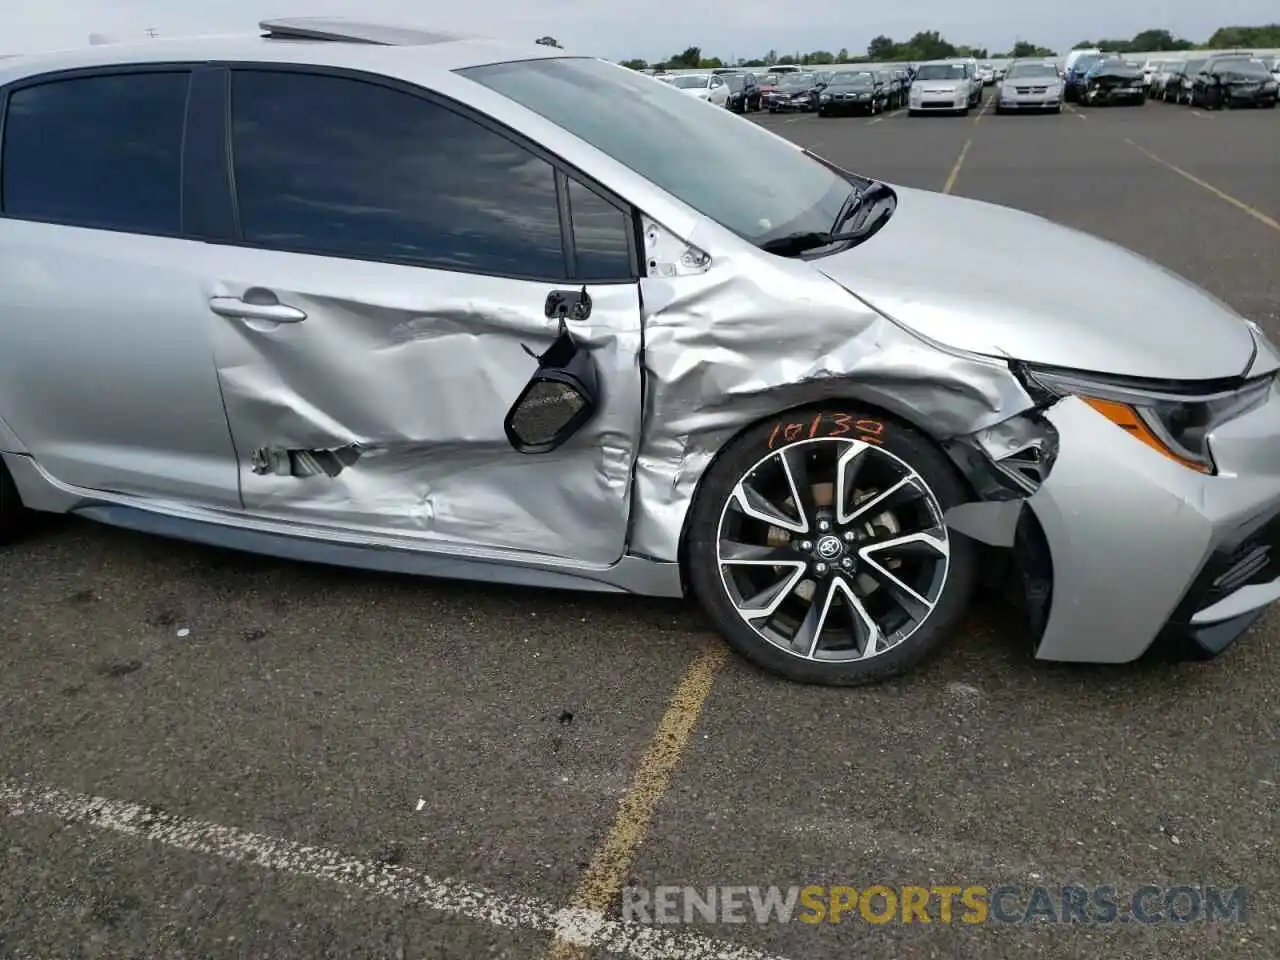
<point x="323" y="41"/>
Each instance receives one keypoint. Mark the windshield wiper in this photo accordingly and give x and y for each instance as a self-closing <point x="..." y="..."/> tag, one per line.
<point x="794" y="243"/>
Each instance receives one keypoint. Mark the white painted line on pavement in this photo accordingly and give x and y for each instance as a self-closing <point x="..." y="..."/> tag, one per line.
<point x="587" y="928"/>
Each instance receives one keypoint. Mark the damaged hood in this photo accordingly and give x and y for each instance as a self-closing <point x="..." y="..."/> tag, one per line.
<point x="996" y="281"/>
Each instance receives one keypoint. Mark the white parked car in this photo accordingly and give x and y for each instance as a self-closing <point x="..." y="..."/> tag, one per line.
<point x="703" y="86"/>
<point x="987" y="73"/>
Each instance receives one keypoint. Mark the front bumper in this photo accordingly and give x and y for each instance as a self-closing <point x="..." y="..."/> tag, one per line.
<point x="1143" y="549"/>
<point x="1043" y="101"/>
<point x="939" y="103"/>
<point x="790" y="106"/>
<point x="1106" y="95"/>
<point x="848" y="106"/>
<point x="1248" y="97"/>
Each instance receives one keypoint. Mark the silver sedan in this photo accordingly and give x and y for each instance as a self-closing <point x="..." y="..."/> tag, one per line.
<point x="477" y="323"/>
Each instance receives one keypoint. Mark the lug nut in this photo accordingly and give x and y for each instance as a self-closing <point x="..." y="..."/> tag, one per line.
<point x="806" y="545"/>
<point x="846" y="563"/>
<point x="823" y="525"/>
<point x="821" y="568"/>
<point x="848" y="536"/>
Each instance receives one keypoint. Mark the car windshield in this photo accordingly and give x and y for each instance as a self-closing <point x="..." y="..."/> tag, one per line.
<point x="735" y="81"/>
<point x="747" y="179"/>
<point x="1084" y="63"/>
<point x="1045" y="70"/>
<point x="941" y="71"/>
<point x="796" y="80"/>
<point x="851" y="80"/>
<point x="690" y="82"/>
<point x="1242" y="65"/>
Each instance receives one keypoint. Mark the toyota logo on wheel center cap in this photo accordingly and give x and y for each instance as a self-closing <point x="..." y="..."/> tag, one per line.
<point x="830" y="547"/>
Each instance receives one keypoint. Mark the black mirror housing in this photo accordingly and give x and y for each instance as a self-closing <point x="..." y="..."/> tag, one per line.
<point x="558" y="401"/>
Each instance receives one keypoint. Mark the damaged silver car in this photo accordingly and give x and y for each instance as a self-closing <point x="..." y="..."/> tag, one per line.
<point x="392" y="299"/>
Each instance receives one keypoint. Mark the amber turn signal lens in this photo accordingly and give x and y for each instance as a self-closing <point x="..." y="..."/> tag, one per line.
<point x="1127" y="419"/>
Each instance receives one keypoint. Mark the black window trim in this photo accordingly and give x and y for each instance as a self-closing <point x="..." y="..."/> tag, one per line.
<point x="106" y="70"/>
<point x="561" y="168"/>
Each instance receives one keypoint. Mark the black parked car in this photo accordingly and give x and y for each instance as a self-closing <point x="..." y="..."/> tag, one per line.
<point x="1234" y="82"/>
<point x="893" y="93"/>
<point x="1114" y="81"/>
<point x="744" y="92"/>
<point x="1178" y="88"/>
<point x="795" y="92"/>
<point x="859" y="92"/>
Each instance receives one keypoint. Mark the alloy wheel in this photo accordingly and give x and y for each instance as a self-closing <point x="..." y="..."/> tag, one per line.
<point x="833" y="550"/>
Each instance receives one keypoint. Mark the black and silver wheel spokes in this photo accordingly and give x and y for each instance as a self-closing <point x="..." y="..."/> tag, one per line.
<point x="833" y="549"/>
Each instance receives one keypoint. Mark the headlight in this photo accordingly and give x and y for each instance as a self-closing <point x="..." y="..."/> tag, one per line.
<point x="825" y="96"/>
<point x="1173" y="424"/>
<point x="1269" y="86"/>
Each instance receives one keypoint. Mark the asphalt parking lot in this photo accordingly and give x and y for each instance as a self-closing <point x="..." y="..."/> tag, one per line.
<point x="301" y="762"/>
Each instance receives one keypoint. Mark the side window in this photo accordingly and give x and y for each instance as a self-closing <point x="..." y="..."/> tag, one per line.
<point x="97" y="151"/>
<point x="345" y="168"/>
<point x="599" y="236"/>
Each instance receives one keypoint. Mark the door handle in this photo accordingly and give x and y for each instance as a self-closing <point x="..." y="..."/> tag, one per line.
<point x="243" y="310"/>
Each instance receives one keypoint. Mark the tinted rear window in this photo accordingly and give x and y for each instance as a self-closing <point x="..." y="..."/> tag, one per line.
<point x="101" y="151"/>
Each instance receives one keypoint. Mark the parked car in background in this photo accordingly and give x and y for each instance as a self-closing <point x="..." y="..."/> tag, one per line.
<point x="702" y="86"/>
<point x="795" y="92"/>
<point x="822" y="406"/>
<point x="1160" y="79"/>
<point x="744" y="92"/>
<point x="1074" y="83"/>
<point x="1030" y="85"/>
<point x="896" y="86"/>
<point x="1178" y="87"/>
<point x="1072" y="56"/>
<point x="1149" y="71"/>
<point x="853" y="92"/>
<point x="987" y="74"/>
<point x="941" y="86"/>
<point x="1226" y="82"/>
<point x="1112" y="81"/>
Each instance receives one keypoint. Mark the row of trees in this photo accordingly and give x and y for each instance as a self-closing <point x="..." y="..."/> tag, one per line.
<point x="931" y="45"/>
<point x="1224" y="38"/>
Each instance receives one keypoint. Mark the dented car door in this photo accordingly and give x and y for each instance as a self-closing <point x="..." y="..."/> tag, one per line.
<point x="399" y="264"/>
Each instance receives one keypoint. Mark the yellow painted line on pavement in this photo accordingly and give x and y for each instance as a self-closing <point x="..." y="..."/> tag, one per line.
<point x="602" y="883"/>
<point x="1220" y="194"/>
<point x="955" y="171"/>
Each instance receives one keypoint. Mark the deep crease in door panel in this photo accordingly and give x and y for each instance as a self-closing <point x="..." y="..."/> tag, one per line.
<point x="424" y="383"/>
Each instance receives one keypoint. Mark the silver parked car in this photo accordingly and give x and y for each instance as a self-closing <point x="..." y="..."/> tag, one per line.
<point x="387" y="298"/>
<point x="1031" y="85"/>
<point x="944" y="86"/>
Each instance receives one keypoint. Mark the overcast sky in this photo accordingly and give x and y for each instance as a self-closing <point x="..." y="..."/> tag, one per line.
<point x="651" y="29"/>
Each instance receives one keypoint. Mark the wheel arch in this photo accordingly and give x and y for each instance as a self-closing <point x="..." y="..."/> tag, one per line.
<point x="913" y="418"/>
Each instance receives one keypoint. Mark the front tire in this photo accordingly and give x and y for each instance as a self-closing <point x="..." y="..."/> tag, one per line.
<point x="817" y="547"/>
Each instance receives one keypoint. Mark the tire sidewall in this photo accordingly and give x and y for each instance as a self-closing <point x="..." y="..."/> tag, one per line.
<point x="743" y="452"/>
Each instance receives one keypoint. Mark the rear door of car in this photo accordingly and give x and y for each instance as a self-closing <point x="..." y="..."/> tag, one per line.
<point x="106" y="369"/>
<point x="385" y="273"/>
